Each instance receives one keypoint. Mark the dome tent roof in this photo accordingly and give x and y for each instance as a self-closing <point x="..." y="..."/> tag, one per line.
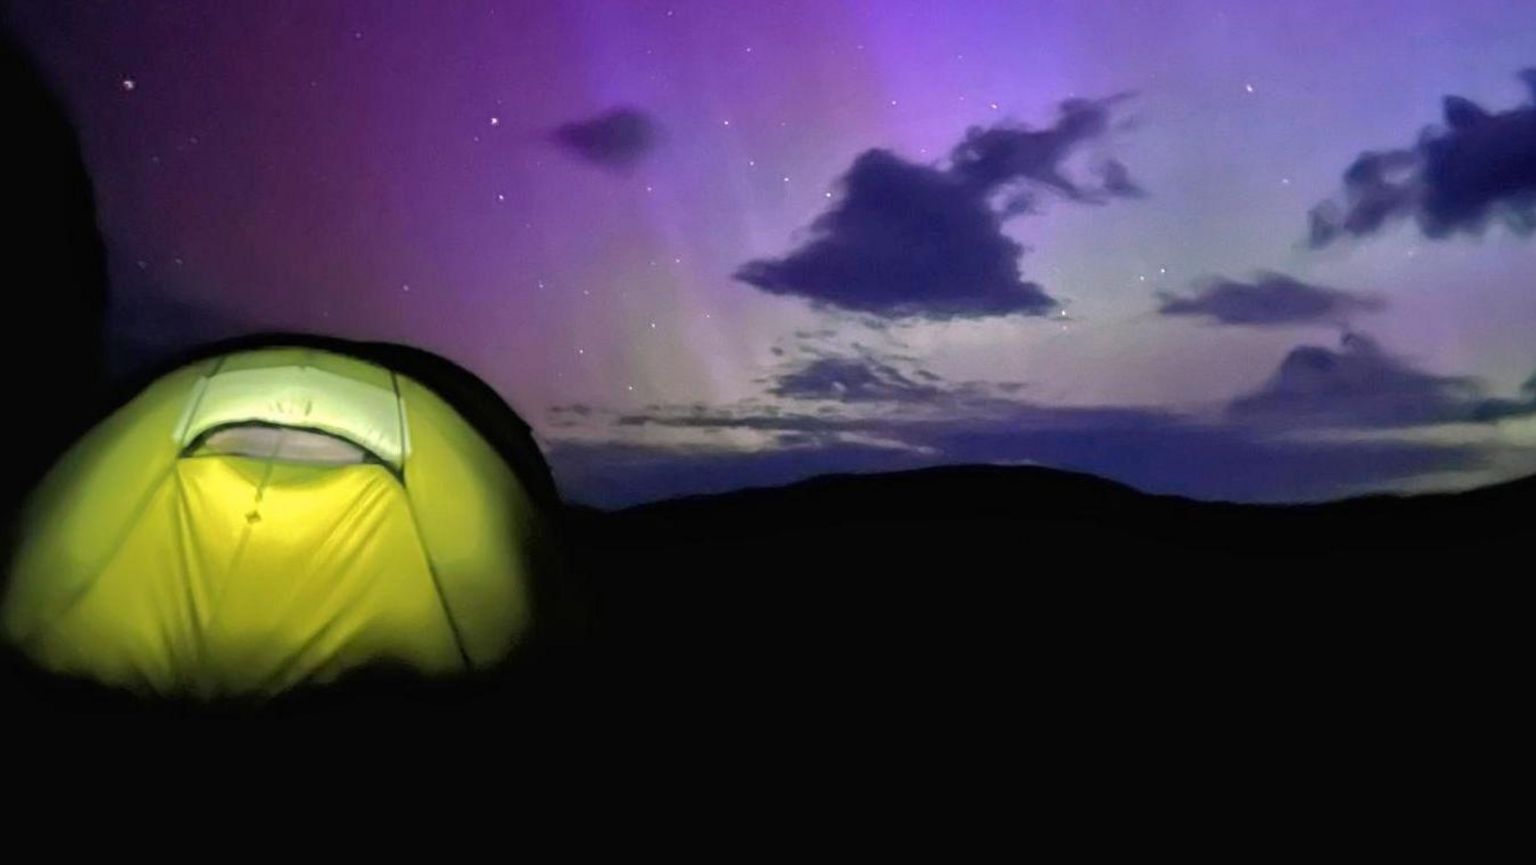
<point x="160" y="557"/>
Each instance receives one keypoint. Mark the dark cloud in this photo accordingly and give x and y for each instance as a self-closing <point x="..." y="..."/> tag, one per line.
<point x="617" y="138"/>
<point x="1361" y="385"/>
<point x="992" y="158"/>
<point x="905" y="240"/>
<point x="853" y="380"/>
<point x="1477" y="169"/>
<point x="1271" y="299"/>
<point x="916" y="241"/>
<point x="871" y="377"/>
<point x="1118" y="182"/>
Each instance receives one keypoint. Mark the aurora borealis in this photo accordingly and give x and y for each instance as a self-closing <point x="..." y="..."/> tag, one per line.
<point x="1264" y="252"/>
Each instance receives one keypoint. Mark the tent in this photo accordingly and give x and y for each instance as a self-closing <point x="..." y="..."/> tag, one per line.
<point x="272" y="518"/>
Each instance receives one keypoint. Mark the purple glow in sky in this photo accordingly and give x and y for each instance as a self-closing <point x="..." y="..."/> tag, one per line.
<point x="701" y="245"/>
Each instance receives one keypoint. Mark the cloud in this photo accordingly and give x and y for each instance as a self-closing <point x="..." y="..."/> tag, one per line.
<point x="1360" y="385"/>
<point x="1499" y="409"/>
<point x="1271" y="299"/>
<point x="1476" y="169"/>
<point x="991" y="158"/>
<point x="1118" y="182"/>
<point x="618" y="138"/>
<point x="870" y="377"/>
<point x="905" y="241"/>
<point x="853" y="380"/>
<point x="915" y="241"/>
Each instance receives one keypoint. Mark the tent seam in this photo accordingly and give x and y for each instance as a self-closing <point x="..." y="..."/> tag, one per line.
<point x="437" y="585"/>
<point x="197" y="403"/>
<point x="117" y="547"/>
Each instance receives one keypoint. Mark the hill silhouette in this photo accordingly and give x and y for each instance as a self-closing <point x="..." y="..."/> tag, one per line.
<point x="970" y="572"/>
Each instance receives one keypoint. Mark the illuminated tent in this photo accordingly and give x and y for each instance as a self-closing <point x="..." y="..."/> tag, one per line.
<point x="272" y="518"/>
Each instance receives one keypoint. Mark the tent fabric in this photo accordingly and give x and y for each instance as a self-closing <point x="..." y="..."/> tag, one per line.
<point x="156" y="558"/>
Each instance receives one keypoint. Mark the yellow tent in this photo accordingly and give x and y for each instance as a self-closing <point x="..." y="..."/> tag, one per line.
<point x="273" y="518"/>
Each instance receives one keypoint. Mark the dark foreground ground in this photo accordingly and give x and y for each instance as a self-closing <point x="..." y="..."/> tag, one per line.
<point x="972" y="604"/>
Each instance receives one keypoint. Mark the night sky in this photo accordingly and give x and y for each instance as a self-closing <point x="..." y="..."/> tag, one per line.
<point x="1237" y="250"/>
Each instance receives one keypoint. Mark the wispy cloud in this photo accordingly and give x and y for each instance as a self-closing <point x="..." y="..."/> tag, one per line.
<point x="1268" y="300"/>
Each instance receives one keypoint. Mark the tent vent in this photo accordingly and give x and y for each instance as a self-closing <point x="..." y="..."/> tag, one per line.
<point x="284" y="444"/>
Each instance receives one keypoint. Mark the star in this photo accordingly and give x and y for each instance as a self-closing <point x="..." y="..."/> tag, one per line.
<point x="500" y="197"/>
<point x="495" y="121"/>
<point x="129" y="85"/>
